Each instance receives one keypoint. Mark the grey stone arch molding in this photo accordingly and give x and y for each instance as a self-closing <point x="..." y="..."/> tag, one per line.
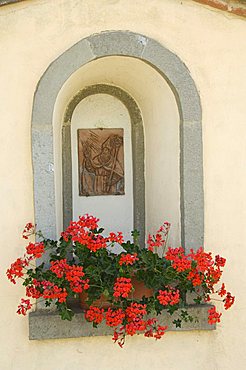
<point x="173" y="70"/>
<point x="137" y="153"/>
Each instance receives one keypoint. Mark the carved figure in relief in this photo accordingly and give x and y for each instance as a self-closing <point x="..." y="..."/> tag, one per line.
<point x="101" y="162"/>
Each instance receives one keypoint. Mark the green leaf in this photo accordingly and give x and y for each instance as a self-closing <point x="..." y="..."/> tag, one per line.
<point x="172" y="309"/>
<point x="197" y="300"/>
<point x="128" y="246"/>
<point x="67" y="314"/>
<point x="177" y="323"/>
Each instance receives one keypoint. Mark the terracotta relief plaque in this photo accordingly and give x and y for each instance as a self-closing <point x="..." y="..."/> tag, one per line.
<point x="101" y="161"/>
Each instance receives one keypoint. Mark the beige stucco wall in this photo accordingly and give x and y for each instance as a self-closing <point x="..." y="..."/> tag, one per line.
<point x="212" y="45"/>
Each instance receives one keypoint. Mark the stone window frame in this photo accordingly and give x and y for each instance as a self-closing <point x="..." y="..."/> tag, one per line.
<point x="9" y="2"/>
<point x="177" y="75"/>
<point x="45" y="325"/>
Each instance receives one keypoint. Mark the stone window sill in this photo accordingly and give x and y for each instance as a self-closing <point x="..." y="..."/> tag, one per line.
<point x="44" y="324"/>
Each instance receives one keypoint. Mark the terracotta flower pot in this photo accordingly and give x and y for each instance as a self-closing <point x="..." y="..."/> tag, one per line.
<point x="101" y="302"/>
<point x="140" y="290"/>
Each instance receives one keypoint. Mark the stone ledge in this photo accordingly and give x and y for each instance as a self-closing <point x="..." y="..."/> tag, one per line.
<point x="48" y="325"/>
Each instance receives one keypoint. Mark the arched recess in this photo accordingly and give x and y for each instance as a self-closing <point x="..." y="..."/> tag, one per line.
<point x="173" y="70"/>
<point x="137" y="152"/>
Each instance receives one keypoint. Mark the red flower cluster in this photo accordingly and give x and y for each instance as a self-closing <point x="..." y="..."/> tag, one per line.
<point x="32" y="291"/>
<point x="159" y="239"/>
<point x="135" y="323"/>
<point x="208" y="269"/>
<point x="195" y="277"/>
<point x="28" y="230"/>
<point x="180" y="261"/>
<point x="59" y="267"/>
<point x="113" y="238"/>
<point x="122" y="287"/>
<point x="73" y="274"/>
<point x="16" y="269"/>
<point x="203" y="260"/>
<point x="52" y="291"/>
<point x="173" y="253"/>
<point x="200" y="266"/>
<point x="228" y="301"/>
<point x="154" y="330"/>
<point x="82" y="232"/>
<point x="160" y="331"/>
<point x="135" y="311"/>
<point x="94" y="314"/>
<point x="47" y="290"/>
<point x="169" y="296"/>
<point x="222" y="291"/>
<point x="154" y="242"/>
<point x="213" y="316"/>
<point x="119" y="336"/>
<point x="212" y="276"/>
<point x="134" y="316"/>
<point x="36" y="250"/>
<point x="220" y="261"/>
<point x="96" y="242"/>
<point x="24" y="306"/>
<point x="114" y="317"/>
<point x="150" y="323"/>
<point x="128" y="259"/>
<point x="77" y="229"/>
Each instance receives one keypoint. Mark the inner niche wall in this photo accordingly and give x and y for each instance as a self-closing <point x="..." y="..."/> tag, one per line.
<point x="103" y="111"/>
<point x="161" y="151"/>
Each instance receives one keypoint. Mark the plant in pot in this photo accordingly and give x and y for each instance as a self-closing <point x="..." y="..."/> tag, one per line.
<point x="127" y="290"/>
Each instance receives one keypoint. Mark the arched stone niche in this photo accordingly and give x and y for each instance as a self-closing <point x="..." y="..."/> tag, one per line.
<point x="131" y="204"/>
<point x="51" y="99"/>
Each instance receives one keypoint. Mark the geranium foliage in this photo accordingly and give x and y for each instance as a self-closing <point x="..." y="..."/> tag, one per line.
<point x="83" y="261"/>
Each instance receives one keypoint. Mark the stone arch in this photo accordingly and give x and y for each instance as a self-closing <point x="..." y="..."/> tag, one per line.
<point x="137" y="152"/>
<point x="173" y="70"/>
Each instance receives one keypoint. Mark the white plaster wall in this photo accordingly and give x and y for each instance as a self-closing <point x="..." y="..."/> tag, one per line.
<point x="212" y="44"/>
<point x="114" y="211"/>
